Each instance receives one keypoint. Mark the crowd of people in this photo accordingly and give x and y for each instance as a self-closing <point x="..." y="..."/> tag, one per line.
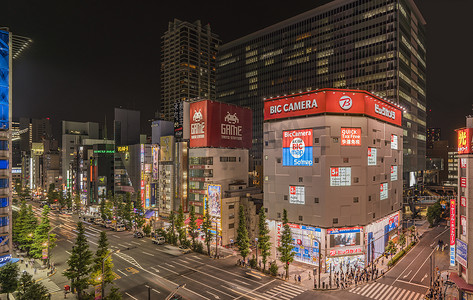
<point x="436" y="292"/>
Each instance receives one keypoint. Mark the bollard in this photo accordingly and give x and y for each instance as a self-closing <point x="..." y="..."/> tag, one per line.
<point x="323" y="285"/>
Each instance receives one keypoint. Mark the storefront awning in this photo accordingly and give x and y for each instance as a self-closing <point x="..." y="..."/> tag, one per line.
<point x="460" y="282"/>
<point x="149" y="213"/>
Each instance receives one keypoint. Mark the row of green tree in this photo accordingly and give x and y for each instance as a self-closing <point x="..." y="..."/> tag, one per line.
<point x="85" y="269"/>
<point x="24" y="285"/>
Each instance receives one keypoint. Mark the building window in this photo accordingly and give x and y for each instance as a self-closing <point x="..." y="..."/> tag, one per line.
<point x="374" y="215"/>
<point x="395" y="191"/>
<point x="265" y="209"/>
<point x="382" y="159"/>
<point x="231" y="216"/>
<point x="279" y="215"/>
<point x="316" y="140"/>
<point x="231" y="226"/>
<point x="335" y="221"/>
<point x="231" y="206"/>
<point x="335" y="139"/>
<point x="355" y="199"/>
<point x="301" y="179"/>
<point x="316" y="160"/>
<point x="345" y="160"/>
<point x="374" y="141"/>
<point x="285" y="197"/>
<point x="374" y="178"/>
<point x="356" y="179"/>
<point x="278" y="160"/>
<point x="369" y="198"/>
<point x="266" y="143"/>
<point x="385" y="177"/>
<point x="300" y="218"/>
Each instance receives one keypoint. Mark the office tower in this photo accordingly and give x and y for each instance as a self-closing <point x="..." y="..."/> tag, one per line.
<point x="373" y="45"/>
<point x="127" y="127"/>
<point x="188" y="54"/>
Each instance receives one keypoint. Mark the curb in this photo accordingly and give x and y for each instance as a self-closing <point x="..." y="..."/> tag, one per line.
<point x="42" y="278"/>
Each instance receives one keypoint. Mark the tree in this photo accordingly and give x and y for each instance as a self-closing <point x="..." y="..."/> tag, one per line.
<point x="68" y="200"/>
<point x="103" y="215"/>
<point x="139" y="215"/>
<point x="192" y="225"/>
<point x="264" y="244"/>
<point x="77" y="202"/>
<point x="102" y="252"/>
<point x="52" y="195"/>
<point x="79" y="263"/>
<point x="114" y="294"/>
<point x="402" y="240"/>
<point x="391" y="248"/>
<point x="206" y="226"/>
<point x="285" y="248"/>
<point x="434" y="213"/>
<point x="40" y="238"/>
<point x="18" y="222"/>
<point x="9" y="278"/>
<point x="29" y="289"/>
<point x="126" y="211"/>
<point x="180" y="226"/>
<point x="30" y="224"/>
<point x="171" y="233"/>
<point x="242" y="241"/>
<point x="412" y="232"/>
<point x="26" y="192"/>
<point x="61" y="199"/>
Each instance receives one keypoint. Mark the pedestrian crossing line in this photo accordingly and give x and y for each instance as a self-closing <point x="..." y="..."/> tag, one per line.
<point x="284" y="291"/>
<point x="380" y="291"/>
<point x="50" y="286"/>
<point x="290" y="286"/>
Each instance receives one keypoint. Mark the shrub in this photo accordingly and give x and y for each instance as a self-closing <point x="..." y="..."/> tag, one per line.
<point x="273" y="269"/>
<point x="253" y="262"/>
<point x="199" y="247"/>
<point x="147" y="230"/>
<point x="396" y="257"/>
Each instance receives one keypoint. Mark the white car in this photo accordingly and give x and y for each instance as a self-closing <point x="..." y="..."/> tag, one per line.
<point x="120" y="227"/>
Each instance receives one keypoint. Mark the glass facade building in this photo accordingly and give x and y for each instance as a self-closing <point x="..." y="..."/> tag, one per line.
<point x="188" y="56"/>
<point x="373" y="45"/>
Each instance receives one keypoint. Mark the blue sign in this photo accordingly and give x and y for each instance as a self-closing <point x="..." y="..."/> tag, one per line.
<point x="5" y="258"/>
<point x="462" y="253"/>
<point x="4" y="79"/>
<point x="297" y="148"/>
<point x="452" y="255"/>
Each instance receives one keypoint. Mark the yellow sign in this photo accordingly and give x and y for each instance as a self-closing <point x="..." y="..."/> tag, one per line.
<point x="167" y="142"/>
<point x="122" y="148"/>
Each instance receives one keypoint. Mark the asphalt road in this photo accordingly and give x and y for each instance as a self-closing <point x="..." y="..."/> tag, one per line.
<point x="142" y="267"/>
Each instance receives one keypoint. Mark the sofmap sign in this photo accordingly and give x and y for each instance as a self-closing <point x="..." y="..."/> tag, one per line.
<point x="452" y="232"/>
<point x="297" y="147"/>
<point x="462" y="253"/>
<point x="332" y="101"/>
<point x="220" y="125"/>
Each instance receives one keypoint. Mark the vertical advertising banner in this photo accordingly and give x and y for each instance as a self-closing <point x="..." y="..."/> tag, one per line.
<point x="297" y="148"/>
<point x="167" y="144"/>
<point x="383" y="191"/>
<point x="463" y="181"/>
<point x="463" y="201"/>
<point x="350" y="136"/>
<point x="452" y="232"/>
<point x="463" y="163"/>
<point x="462" y="253"/>
<point x="465" y="140"/>
<point x="155" y="154"/>
<point x="4" y="80"/>
<point x="394" y="144"/>
<point x="372" y="156"/>
<point x="214" y="196"/>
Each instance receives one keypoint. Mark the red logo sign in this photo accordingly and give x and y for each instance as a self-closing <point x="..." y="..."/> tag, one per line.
<point x="345" y="102"/>
<point x="452" y="222"/>
<point x="334" y="171"/>
<point x="463" y="201"/>
<point x="350" y="136"/>
<point x="335" y="252"/>
<point x="462" y="181"/>
<point x="293" y="190"/>
<point x="465" y="140"/>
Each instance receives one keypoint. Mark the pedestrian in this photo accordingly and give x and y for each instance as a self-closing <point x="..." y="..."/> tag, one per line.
<point x="309" y="274"/>
<point x="35" y="270"/>
<point x="299" y="278"/>
<point x="295" y="278"/>
<point x="26" y="264"/>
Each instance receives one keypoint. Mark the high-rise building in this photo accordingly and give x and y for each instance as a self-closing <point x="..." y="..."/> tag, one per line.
<point x="374" y="45"/>
<point x="188" y="55"/>
<point x="127" y="127"/>
<point x="433" y="135"/>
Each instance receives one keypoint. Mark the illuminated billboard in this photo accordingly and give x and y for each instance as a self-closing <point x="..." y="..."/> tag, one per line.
<point x="393" y="173"/>
<point x="372" y="156"/>
<point x="220" y="125"/>
<point x="394" y="142"/>
<point x="4" y="80"/>
<point x="452" y="232"/>
<point x="304" y="242"/>
<point x="383" y="191"/>
<point x="340" y="176"/>
<point x="297" y="148"/>
<point x="465" y="141"/>
<point x="350" y="136"/>
<point x="344" y="237"/>
<point x="167" y="144"/>
<point x="214" y="196"/>
<point x="463" y="163"/>
<point x="155" y="155"/>
<point x="331" y="101"/>
<point x="296" y="194"/>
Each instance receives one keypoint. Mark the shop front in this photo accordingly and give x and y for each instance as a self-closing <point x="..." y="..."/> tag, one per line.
<point x="379" y="233"/>
<point x="344" y="249"/>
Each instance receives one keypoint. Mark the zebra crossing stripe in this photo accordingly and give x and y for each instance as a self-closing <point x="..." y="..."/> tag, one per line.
<point x="292" y="293"/>
<point x="368" y="289"/>
<point x="402" y="293"/>
<point x="388" y="295"/>
<point x="373" y="292"/>
<point x="385" y="291"/>
<point x="291" y="287"/>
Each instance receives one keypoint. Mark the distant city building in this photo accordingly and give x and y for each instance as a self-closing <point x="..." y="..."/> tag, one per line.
<point x="127" y="127"/>
<point x="160" y="128"/>
<point x="452" y="168"/>
<point x="188" y="55"/>
<point x="433" y="135"/>
<point x="373" y="45"/>
<point x="436" y="172"/>
<point x="333" y="160"/>
<point x="73" y="133"/>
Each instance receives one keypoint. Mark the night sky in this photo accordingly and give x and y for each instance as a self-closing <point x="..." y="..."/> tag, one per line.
<point x="91" y="56"/>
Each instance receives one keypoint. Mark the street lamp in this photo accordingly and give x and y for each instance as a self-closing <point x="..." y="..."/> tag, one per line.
<point x="48" y="243"/>
<point x="103" y="276"/>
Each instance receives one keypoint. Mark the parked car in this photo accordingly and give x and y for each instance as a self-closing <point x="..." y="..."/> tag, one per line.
<point x="159" y="240"/>
<point x="108" y="224"/>
<point x="98" y="222"/>
<point x="138" y="234"/>
<point x="184" y="249"/>
<point x="120" y="227"/>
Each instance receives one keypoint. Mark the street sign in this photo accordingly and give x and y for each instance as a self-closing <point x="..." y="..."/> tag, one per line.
<point x="45" y="253"/>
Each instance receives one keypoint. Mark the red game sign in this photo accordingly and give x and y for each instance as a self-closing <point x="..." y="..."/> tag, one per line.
<point x="452" y="222"/>
<point x="350" y="136"/>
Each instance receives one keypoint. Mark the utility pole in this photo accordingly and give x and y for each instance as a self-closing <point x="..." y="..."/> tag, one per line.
<point x="216" y="238"/>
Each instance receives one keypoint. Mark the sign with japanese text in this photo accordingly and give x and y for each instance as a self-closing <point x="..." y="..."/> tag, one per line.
<point x="394" y="142"/>
<point x="463" y="181"/>
<point x="336" y="252"/>
<point x="463" y="201"/>
<point x="463" y="163"/>
<point x="372" y="156"/>
<point x="393" y="173"/>
<point x="297" y="147"/>
<point x="463" y="224"/>
<point x="462" y="253"/>
<point x="340" y="176"/>
<point x="350" y="136"/>
<point x="465" y="140"/>
<point x="383" y="191"/>
<point x="452" y="232"/>
<point x="296" y="194"/>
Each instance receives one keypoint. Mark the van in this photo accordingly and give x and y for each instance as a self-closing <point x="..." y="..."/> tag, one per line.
<point x="108" y="224"/>
<point x="159" y="240"/>
<point x="120" y="227"/>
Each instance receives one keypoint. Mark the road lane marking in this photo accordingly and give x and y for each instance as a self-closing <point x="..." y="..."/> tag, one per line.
<point x="416" y="284"/>
<point x="170" y="265"/>
<point x="197" y="257"/>
<point x="136" y="243"/>
<point x="155" y="269"/>
<point x="132" y="270"/>
<point x="242" y="282"/>
<point x="386" y="291"/>
<point x="169" y="270"/>
<point x="407" y="274"/>
<point x="122" y="273"/>
<point x="245" y="295"/>
<point x="131" y="296"/>
<point x="201" y="283"/>
<point x="422" y="265"/>
<point x="368" y="289"/>
<point x="423" y="278"/>
<point x="375" y="290"/>
<point x="184" y="261"/>
<point x="221" y="270"/>
<point x="255" y="289"/>
<point x="68" y="252"/>
<point x="123" y="245"/>
<point x="94" y="243"/>
<point x="216" y="297"/>
<point x="156" y="291"/>
<point x="147" y="253"/>
<point x="70" y="241"/>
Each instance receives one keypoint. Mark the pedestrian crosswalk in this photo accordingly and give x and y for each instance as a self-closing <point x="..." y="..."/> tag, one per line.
<point x="50" y="286"/>
<point x="285" y="291"/>
<point x="380" y="291"/>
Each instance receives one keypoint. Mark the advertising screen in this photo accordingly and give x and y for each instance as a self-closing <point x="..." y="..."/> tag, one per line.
<point x="297" y="148"/>
<point x="220" y="125"/>
<point x="394" y="144"/>
<point x="393" y="173"/>
<point x="340" y="176"/>
<point x="331" y="101"/>
<point x="465" y="137"/>
<point x="372" y="156"/>
<point x="462" y="253"/>
<point x="393" y="222"/>
<point x="452" y="232"/>
<point x="350" y="136"/>
<point x="343" y="237"/>
<point x="383" y="191"/>
<point x="155" y="154"/>
<point x="296" y="194"/>
<point x="214" y="196"/>
<point x="304" y="242"/>
<point x="167" y="144"/>
<point x="4" y="79"/>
